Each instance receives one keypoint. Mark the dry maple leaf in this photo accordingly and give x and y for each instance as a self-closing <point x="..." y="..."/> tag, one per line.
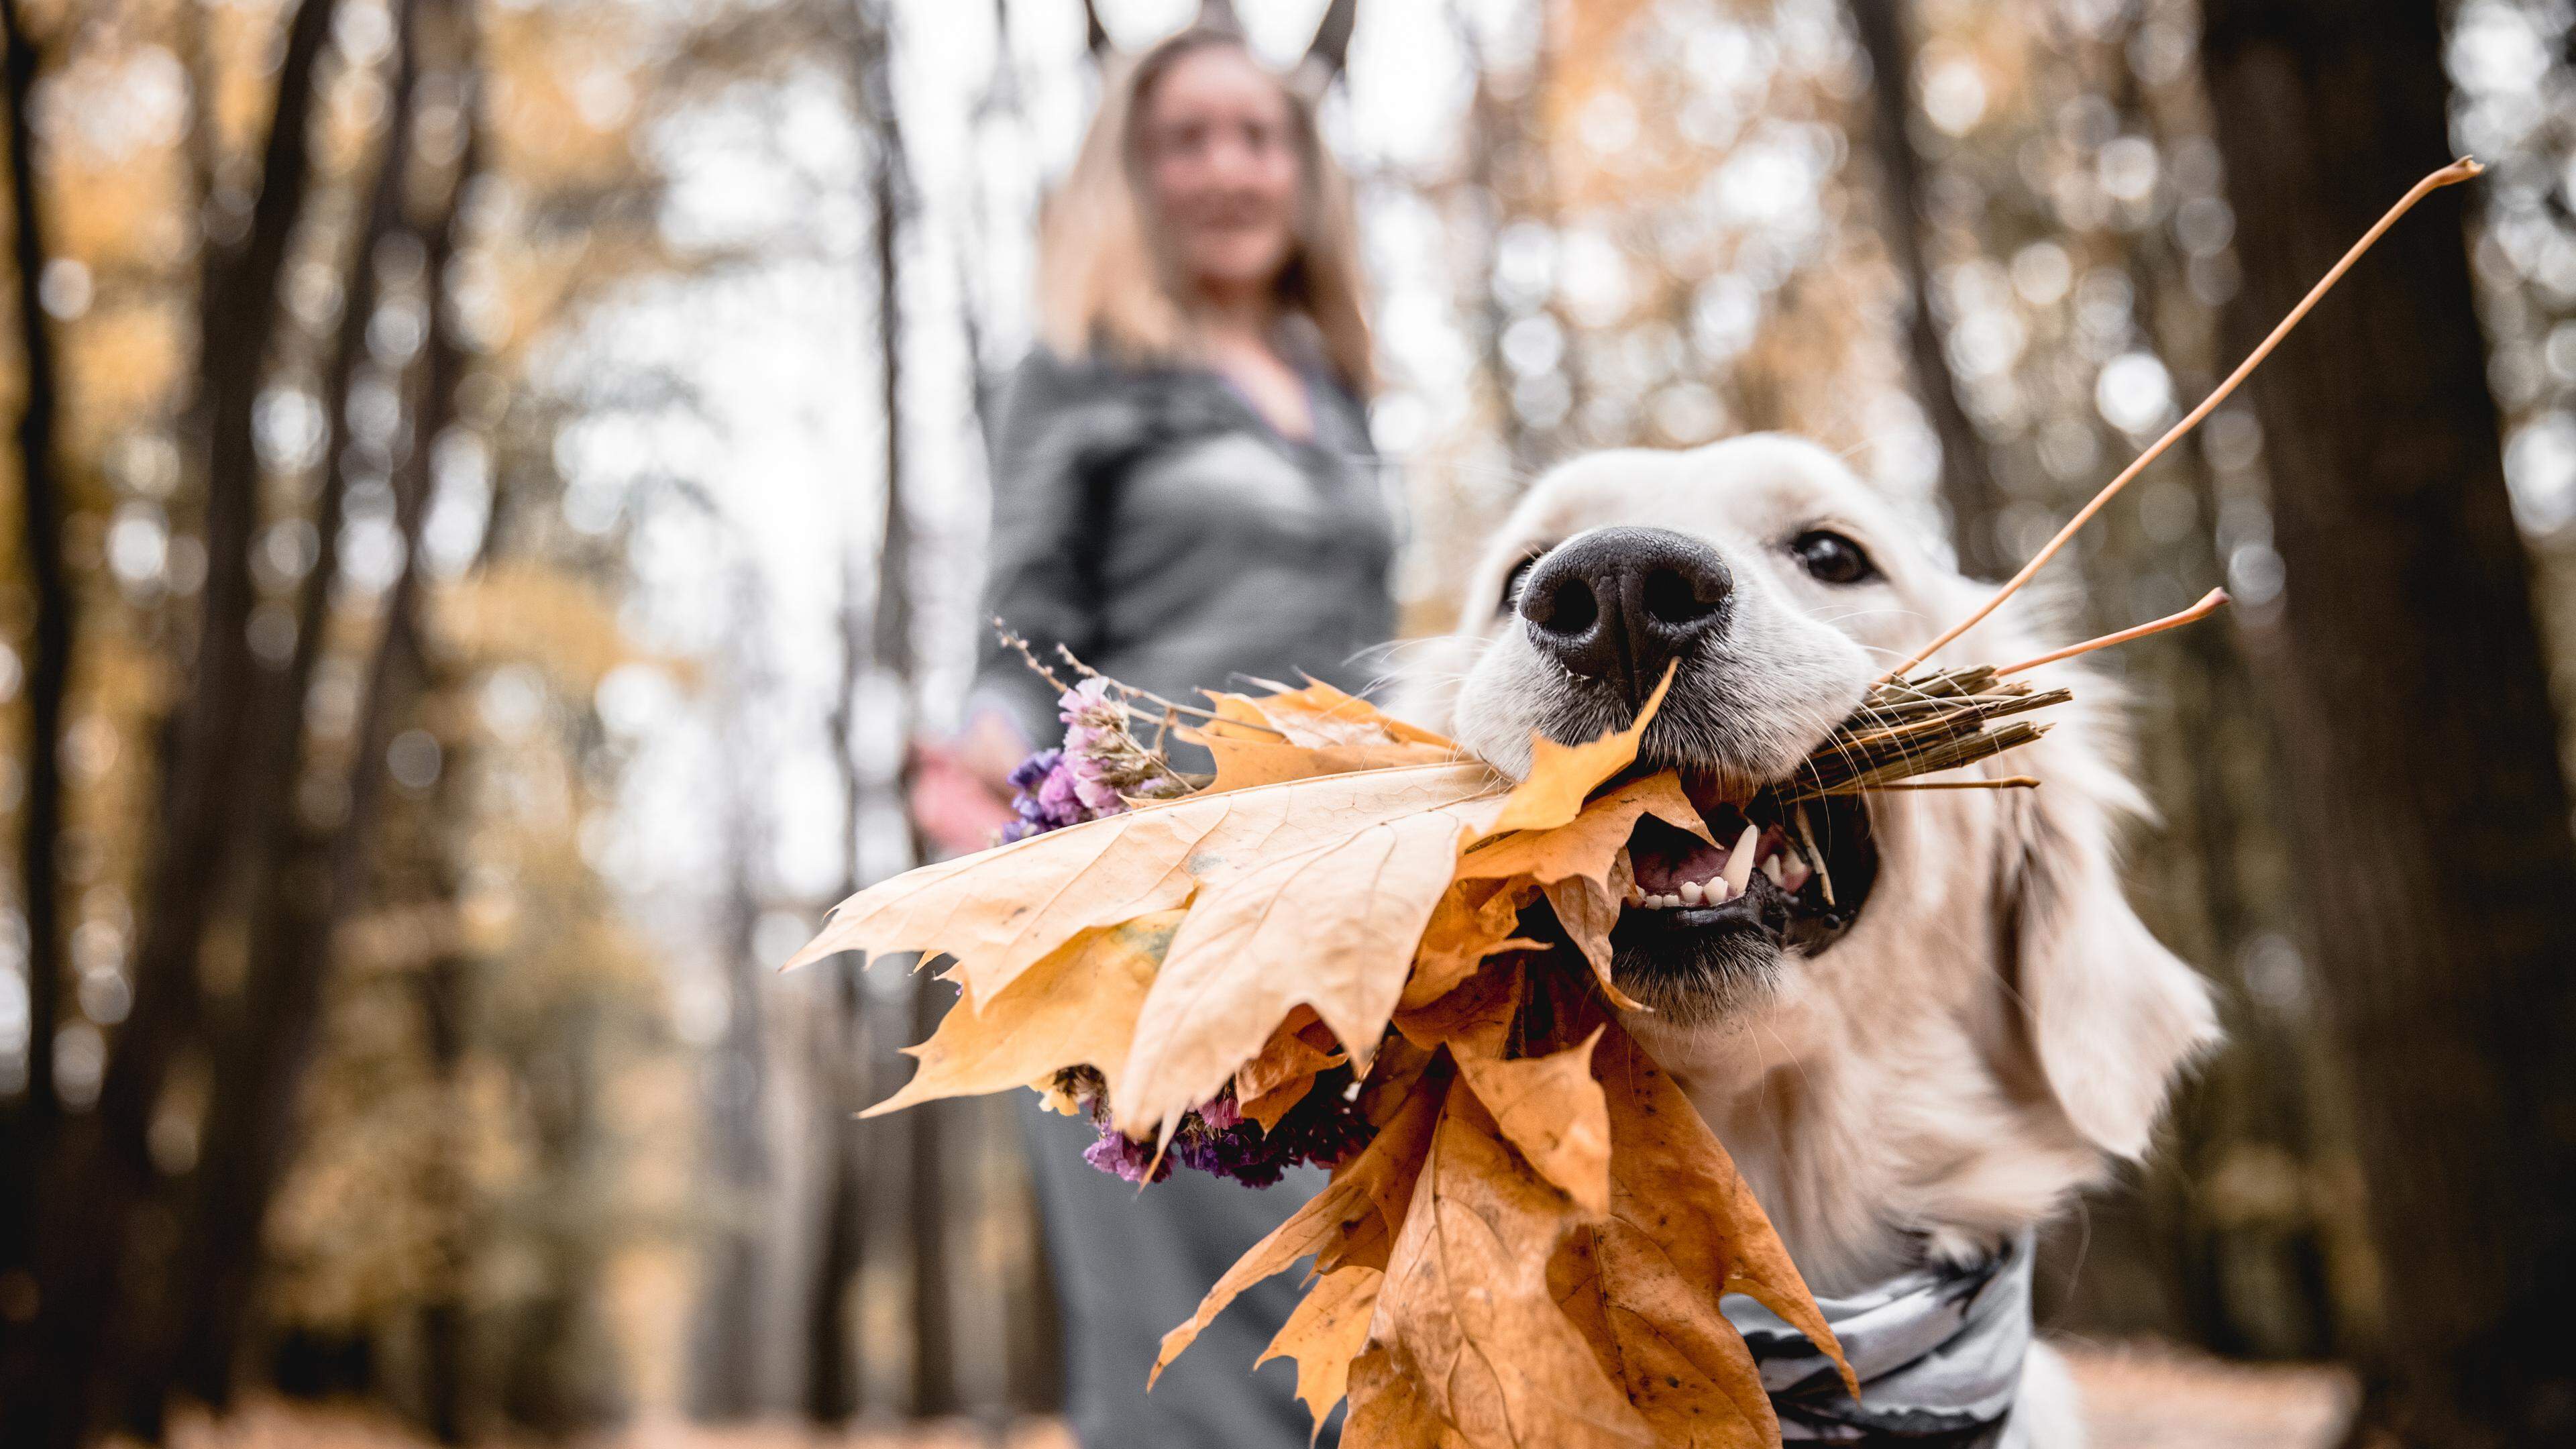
<point x="1589" y="910"/>
<point x="1586" y="845"/>
<point x="1675" y="1186"/>
<point x="1382" y="1175"/>
<point x="1279" y="1078"/>
<point x="1076" y="1007"/>
<point x="1475" y="919"/>
<point x="1328" y="1329"/>
<point x="1389" y="1409"/>
<point x="1333" y="927"/>
<point x="1317" y="730"/>
<point x="1550" y="1108"/>
<point x="1662" y="1339"/>
<point x="1002" y="911"/>
<point x="1562" y="777"/>
<point x="1492" y="1270"/>
<point x="1466" y="1292"/>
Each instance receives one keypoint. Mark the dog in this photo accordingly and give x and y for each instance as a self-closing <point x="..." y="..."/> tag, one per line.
<point x="1918" y="1036"/>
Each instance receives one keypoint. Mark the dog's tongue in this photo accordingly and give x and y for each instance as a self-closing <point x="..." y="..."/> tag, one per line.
<point x="1662" y="871"/>
<point x="1663" y="856"/>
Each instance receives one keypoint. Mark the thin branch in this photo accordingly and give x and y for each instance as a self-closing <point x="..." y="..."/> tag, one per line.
<point x="1021" y="647"/>
<point x="2209" y="604"/>
<point x="2458" y="171"/>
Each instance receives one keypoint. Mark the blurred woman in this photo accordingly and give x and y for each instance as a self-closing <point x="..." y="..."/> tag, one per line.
<point x="1184" y="494"/>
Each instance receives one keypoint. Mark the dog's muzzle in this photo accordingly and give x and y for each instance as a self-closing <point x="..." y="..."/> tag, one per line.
<point x="1619" y="605"/>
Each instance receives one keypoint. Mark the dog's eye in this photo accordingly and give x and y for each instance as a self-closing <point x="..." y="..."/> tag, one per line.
<point x="1832" y="558"/>
<point x="1512" y="585"/>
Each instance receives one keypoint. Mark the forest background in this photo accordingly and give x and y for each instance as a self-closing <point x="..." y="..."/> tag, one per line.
<point x="495" y="483"/>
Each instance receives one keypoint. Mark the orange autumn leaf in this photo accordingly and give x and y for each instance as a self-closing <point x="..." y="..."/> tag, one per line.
<point x="1245" y="764"/>
<point x="1390" y="1409"/>
<point x="1673" y="1183"/>
<point x="1077" y="1007"/>
<point x="1473" y="920"/>
<point x="1328" y="1329"/>
<point x="1586" y="845"/>
<point x="1550" y="1108"/>
<point x="1662" y="1338"/>
<point x="1318" y="714"/>
<point x="1384" y="1171"/>
<point x="1333" y="927"/>
<point x="1002" y="911"/>
<point x="1258" y="742"/>
<point x="1267" y="1086"/>
<point x="1467" y="1295"/>
<point x="1588" y="910"/>
<point x="1473" y="1020"/>
<point x="1562" y="777"/>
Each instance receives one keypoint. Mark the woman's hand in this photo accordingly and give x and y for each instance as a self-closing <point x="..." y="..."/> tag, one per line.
<point x="961" y="791"/>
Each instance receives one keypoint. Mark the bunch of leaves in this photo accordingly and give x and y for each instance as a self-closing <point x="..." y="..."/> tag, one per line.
<point x="1354" y="945"/>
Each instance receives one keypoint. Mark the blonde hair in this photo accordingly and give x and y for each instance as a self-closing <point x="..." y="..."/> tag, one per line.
<point x="1105" y="284"/>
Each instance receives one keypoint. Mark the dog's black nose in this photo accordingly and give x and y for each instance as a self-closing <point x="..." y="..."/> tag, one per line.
<point x="1619" y="604"/>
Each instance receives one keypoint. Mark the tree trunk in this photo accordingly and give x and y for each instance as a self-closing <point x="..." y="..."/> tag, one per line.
<point x="32" y="1123"/>
<point x="322" y="872"/>
<point x="1967" y="468"/>
<point x="727" y="1344"/>
<point x="833" y="1370"/>
<point x="2429" y="816"/>
<point x="96" y="1178"/>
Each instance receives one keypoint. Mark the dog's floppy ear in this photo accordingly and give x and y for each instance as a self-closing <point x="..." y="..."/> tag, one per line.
<point x="2113" y="1015"/>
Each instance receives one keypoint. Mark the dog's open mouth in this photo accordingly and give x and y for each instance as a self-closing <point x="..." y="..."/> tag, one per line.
<point x="1781" y="875"/>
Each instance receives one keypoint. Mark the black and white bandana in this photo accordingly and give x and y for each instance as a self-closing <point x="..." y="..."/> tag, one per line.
<point x="1938" y="1352"/>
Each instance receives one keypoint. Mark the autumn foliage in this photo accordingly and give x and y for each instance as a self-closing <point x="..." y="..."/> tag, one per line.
<point x="1532" y="1246"/>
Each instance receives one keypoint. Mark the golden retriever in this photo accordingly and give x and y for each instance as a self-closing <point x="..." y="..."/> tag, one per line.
<point x="1922" y="1042"/>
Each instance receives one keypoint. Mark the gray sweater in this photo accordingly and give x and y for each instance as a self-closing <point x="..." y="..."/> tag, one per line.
<point x="1154" y="523"/>
<point x="1157" y="525"/>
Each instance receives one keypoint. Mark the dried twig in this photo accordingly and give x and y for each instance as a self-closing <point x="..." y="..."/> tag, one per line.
<point x="1170" y="707"/>
<point x="2458" y="171"/>
<point x="1121" y="694"/>
<point x="2209" y="604"/>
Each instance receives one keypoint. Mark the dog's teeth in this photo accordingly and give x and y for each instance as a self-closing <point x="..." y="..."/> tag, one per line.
<point x="1794" y="875"/>
<point x="1771" y="868"/>
<point x="1690" y="892"/>
<point x="1739" y="861"/>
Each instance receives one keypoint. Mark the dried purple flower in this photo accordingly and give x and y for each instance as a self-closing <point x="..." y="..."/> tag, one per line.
<point x="1325" y="1128"/>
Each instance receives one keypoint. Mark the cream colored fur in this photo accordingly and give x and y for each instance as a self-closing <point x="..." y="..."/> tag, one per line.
<point x="1998" y="1026"/>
